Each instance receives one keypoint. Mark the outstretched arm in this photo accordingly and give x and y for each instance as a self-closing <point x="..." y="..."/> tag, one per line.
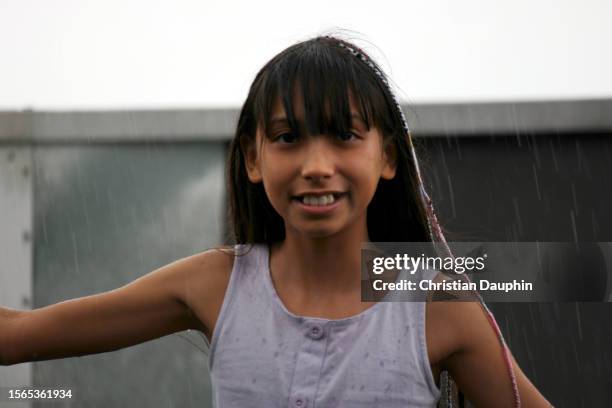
<point x="152" y="306"/>
<point x="477" y="363"/>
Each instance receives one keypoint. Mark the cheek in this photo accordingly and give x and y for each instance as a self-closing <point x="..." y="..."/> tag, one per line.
<point x="274" y="196"/>
<point x="370" y="176"/>
<point x="370" y="166"/>
<point x="273" y="176"/>
<point x="271" y="185"/>
<point x="274" y="185"/>
<point x="365" y="177"/>
<point x="373" y="154"/>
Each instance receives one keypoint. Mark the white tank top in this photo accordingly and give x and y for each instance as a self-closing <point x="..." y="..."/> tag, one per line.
<point x="262" y="355"/>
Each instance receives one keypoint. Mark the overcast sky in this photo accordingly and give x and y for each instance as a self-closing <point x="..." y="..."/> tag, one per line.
<point x="116" y="54"/>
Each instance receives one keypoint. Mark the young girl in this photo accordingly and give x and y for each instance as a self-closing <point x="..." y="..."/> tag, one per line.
<point x="321" y="161"/>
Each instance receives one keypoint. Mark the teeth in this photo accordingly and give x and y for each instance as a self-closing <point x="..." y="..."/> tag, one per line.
<point x="320" y="200"/>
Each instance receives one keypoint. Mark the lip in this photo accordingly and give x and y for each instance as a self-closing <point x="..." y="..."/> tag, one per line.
<point x="319" y="209"/>
<point x="319" y="193"/>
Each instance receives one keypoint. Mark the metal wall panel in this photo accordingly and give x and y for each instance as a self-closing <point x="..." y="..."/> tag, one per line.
<point x="543" y="187"/>
<point x="104" y="216"/>
<point x="16" y="246"/>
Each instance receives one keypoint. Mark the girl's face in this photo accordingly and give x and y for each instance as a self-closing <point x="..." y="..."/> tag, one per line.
<point x="291" y="166"/>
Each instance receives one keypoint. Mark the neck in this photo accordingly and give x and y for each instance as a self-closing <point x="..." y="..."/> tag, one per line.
<point x="320" y="266"/>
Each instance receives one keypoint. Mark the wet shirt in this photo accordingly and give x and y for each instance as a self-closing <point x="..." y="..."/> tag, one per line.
<point x="263" y="355"/>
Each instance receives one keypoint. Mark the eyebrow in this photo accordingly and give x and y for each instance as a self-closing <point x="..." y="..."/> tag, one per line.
<point x="283" y="119"/>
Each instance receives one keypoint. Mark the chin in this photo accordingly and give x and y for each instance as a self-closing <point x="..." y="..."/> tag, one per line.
<point x="319" y="232"/>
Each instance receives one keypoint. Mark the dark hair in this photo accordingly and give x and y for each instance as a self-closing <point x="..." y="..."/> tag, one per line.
<point x="324" y="74"/>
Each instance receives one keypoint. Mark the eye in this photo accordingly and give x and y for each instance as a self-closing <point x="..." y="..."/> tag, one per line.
<point x="285" y="138"/>
<point x="347" y="136"/>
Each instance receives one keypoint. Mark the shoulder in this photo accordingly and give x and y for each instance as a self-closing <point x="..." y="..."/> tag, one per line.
<point x="205" y="269"/>
<point x="214" y="261"/>
<point x="442" y="330"/>
<point x="202" y="281"/>
<point x="454" y="326"/>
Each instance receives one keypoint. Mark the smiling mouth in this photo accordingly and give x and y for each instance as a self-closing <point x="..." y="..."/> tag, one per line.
<point x="320" y="200"/>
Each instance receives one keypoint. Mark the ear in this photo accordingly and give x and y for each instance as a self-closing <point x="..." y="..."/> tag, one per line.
<point x="389" y="161"/>
<point x="248" y="145"/>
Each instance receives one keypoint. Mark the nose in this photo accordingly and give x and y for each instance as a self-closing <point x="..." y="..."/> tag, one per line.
<point x="319" y="161"/>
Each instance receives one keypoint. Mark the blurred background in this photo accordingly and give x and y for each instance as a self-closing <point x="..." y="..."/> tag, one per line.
<point x="115" y="118"/>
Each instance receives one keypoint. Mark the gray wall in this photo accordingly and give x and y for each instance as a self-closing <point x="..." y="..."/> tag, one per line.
<point x="104" y="216"/>
<point x="16" y="245"/>
<point x="538" y="187"/>
<point x="118" y="194"/>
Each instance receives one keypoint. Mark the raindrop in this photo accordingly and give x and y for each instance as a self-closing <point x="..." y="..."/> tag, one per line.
<point x="574" y="226"/>
<point x="537" y="185"/>
<point x="554" y="156"/>
<point x="578" y="320"/>
<point x="578" y="155"/>
<point x="574" y="197"/>
<point x="452" y="196"/>
<point x="443" y="158"/>
<point x="536" y="152"/>
<point x="75" y="253"/>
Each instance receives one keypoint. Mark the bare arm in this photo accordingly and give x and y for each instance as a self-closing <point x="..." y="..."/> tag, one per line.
<point x="152" y="306"/>
<point x="477" y="364"/>
<point x="7" y="319"/>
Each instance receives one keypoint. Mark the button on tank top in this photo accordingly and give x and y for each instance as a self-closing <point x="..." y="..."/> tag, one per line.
<point x="263" y="355"/>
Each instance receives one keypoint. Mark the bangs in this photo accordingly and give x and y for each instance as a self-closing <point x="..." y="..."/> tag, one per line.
<point x="324" y="78"/>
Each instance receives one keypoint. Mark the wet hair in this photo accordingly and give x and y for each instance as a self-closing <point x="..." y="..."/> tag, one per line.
<point x="324" y="76"/>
